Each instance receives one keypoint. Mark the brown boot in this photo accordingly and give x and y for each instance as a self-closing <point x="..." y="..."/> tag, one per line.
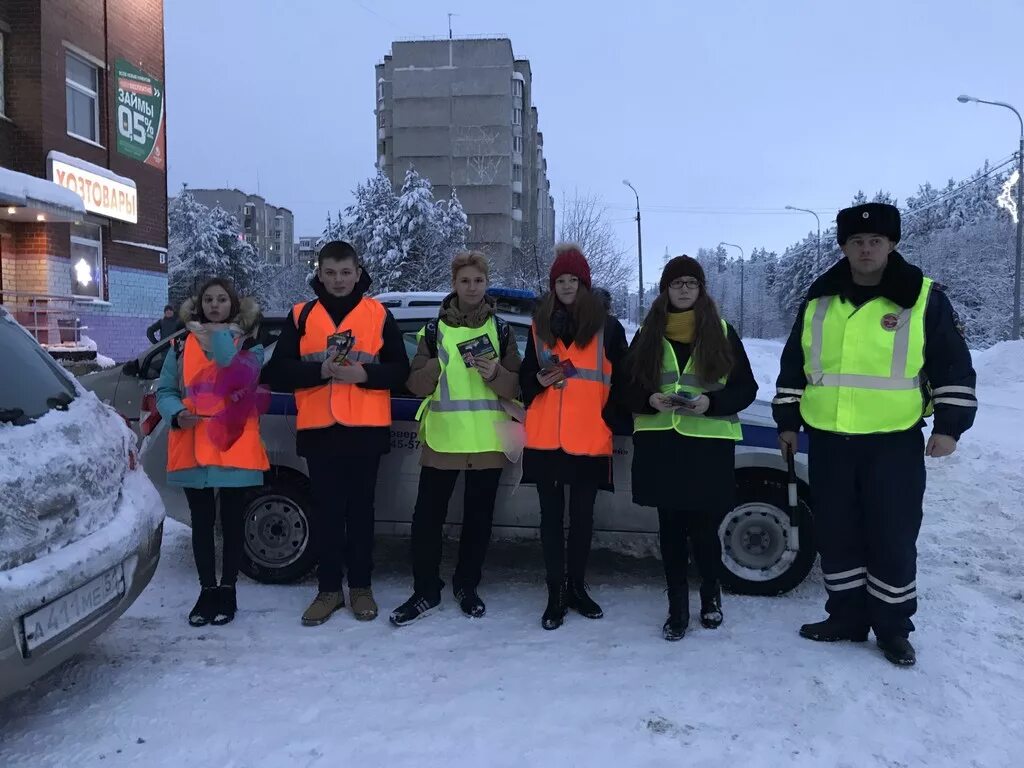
<point x="363" y="605"/>
<point x="322" y="607"/>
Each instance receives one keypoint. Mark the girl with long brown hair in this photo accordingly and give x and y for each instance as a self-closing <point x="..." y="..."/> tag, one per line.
<point x="689" y="377"/>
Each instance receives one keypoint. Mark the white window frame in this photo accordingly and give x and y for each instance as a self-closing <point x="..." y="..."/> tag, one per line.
<point x="517" y="116"/>
<point x="517" y="172"/>
<point x="517" y="144"/>
<point x="97" y="273"/>
<point x="93" y="94"/>
<point x="517" y="87"/>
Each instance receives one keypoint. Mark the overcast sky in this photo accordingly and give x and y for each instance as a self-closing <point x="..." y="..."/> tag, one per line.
<point x="720" y="113"/>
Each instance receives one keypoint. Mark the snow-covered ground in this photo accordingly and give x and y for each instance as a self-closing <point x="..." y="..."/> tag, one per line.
<point x="500" y="691"/>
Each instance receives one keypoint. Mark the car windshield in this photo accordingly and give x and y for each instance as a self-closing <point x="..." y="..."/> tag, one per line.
<point x="31" y="383"/>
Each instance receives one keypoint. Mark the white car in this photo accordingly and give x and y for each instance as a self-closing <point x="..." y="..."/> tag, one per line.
<point x="761" y="552"/>
<point x="80" y="523"/>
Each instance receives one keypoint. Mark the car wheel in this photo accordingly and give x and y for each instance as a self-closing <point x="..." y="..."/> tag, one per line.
<point x="757" y="558"/>
<point x="277" y="521"/>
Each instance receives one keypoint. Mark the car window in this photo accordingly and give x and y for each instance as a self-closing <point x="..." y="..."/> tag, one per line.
<point x="425" y="303"/>
<point x="31" y="382"/>
<point x="151" y="366"/>
<point x="410" y="330"/>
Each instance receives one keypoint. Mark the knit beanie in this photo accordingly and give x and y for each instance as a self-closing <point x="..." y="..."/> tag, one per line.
<point x="681" y="266"/>
<point x="569" y="260"/>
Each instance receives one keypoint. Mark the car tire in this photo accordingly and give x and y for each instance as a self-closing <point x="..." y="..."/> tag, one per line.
<point x="276" y="527"/>
<point x="756" y="535"/>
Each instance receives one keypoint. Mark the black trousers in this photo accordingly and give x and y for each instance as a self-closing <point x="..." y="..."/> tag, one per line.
<point x="202" y="503"/>
<point x="554" y="543"/>
<point x="675" y="526"/>
<point x="435" y="491"/>
<point x="342" y="525"/>
<point x="867" y="492"/>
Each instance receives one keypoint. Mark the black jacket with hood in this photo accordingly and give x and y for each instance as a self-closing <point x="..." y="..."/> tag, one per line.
<point x="288" y="372"/>
<point x="947" y="360"/>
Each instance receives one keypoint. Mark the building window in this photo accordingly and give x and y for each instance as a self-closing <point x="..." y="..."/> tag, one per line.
<point x="517" y="144"/>
<point x="380" y="90"/>
<point x="517" y="87"/>
<point x="82" y="94"/>
<point x="3" y="110"/>
<point x="517" y="200"/>
<point x="380" y="119"/>
<point x="517" y="172"/>
<point x="87" y="261"/>
<point x="517" y="116"/>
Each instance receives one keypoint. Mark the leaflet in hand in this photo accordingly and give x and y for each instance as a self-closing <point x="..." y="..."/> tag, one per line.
<point x="479" y="347"/>
<point x="339" y="345"/>
<point x="683" y="399"/>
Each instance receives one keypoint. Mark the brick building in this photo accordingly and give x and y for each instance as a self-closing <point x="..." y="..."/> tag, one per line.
<point x="83" y="179"/>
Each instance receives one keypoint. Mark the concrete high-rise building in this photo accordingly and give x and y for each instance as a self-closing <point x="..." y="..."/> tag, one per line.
<point x="305" y="249"/>
<point x="460" y="112"/>
<point x="270" y="229"/>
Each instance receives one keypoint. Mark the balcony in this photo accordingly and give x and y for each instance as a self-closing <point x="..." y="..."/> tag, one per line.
<point x="517" y="214"/>
<point x="517" y="186"/>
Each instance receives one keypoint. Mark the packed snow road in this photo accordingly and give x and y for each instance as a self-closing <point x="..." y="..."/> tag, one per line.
<point x="500" y="691"/>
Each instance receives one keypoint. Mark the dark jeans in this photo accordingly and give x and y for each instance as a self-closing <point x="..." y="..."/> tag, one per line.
<point x="552" y="529"/>
<point x="203" y="505"/>
<point x="675" y="526"/>
<point x="435" y="490"/>
<point x="342" y="526"/>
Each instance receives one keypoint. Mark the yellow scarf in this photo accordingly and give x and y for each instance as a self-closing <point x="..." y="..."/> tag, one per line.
<point x="681" y="326"/>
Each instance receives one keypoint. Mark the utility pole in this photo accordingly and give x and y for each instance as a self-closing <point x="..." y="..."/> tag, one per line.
<point x="639" y="256"/>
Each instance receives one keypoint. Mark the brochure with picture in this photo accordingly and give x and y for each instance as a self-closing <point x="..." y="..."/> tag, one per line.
<point x="683" y="399"/>
<point x="339" y="345"/>
<point x="479" y="347"/>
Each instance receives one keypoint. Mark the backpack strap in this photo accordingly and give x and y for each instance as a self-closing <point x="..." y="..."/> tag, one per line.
<point x="430" y="336"/>
<point x="300" y="323"/>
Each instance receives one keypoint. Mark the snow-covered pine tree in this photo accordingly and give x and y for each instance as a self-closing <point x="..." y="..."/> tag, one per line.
<point x="194" y="251"/>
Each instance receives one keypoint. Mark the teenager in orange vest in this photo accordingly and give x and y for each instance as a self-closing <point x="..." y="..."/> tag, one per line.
<point x="566" y="378"/>
<point x="343" y="423"/>
<point x="220" y="327"/>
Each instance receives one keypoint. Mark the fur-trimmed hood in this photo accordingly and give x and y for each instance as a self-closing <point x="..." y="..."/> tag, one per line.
<point x="247" y="319"/>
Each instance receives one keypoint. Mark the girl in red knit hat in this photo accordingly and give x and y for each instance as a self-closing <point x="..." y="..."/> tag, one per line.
<point x="688" y="379"/>
<point x="572" y="355"/>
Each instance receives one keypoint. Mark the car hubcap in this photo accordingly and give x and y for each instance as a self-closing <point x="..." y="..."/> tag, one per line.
<point x="754" y="538"/>
<point x="276" y="532"/>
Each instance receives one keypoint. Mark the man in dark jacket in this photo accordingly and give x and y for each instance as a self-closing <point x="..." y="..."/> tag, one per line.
<point x="343" y="422"/>
<point x="168" y="325"/>
<point x="875" y="347"/>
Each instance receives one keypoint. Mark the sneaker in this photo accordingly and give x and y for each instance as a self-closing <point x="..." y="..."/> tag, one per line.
<point x="323" y="605"/>
<point x="898" y="650"/>
<point x="831" y="631"/>
<point x="205" y="609"/>
<point x="678" y="619"/>
<point x="577" y="598"/>
<point x="554" y="613"/>
<point x="227" y="605"/>
<point x="470" y="602"/>
<point x="416" y="607"/>
<point x="363" y="605"/>
<point x="711" y="612"/>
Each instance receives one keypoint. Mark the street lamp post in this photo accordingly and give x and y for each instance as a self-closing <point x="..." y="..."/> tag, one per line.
<point x="1015" y="321"/>
<point x="639" y="256"/>
<point x="732" y="245"/>
<point x="817" y="264"/>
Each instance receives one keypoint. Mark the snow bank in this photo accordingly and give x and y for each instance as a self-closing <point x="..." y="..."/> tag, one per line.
<point x="1001" y="373"/>
<point x="60" y="478"/>
<point x="105" y="362"/>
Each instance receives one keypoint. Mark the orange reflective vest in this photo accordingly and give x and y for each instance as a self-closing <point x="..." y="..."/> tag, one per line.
<point x="569" y="418"/>
<point x="191" y="448"/>
<point x="333" y="402"/>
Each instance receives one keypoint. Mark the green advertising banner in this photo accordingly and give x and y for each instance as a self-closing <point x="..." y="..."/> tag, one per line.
<point x="140" y="114"/>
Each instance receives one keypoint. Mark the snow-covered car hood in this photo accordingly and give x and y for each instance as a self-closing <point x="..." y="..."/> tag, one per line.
<point x="60" y="478"/>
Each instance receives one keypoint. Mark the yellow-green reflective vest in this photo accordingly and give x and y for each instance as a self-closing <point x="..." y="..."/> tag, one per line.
<point x="460" y="415"/>
<point x="863" y="365"/>
<point x="691" y="425"/>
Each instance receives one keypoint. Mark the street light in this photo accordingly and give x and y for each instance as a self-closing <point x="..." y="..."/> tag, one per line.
<point x="817" y="264"/>
<point x="1015" y="321"/>
<point x="731" y="245"/>
<point x="639" y="255"/>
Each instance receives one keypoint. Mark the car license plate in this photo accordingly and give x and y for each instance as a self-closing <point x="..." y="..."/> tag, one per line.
<point x="68" y="611"/>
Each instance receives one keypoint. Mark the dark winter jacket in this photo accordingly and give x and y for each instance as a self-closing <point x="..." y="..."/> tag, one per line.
<point x="167" y="326"/>
<point x="677" y="472"/>
<point x="947" y="360"/>
<point x="288" y="372"/>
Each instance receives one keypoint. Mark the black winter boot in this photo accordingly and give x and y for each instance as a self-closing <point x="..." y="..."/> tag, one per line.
<point x="227" y="604"/>
<point x="555" y="612"/>
<point x="678" y="614"/>
<point x="898" y="650"/>
<point x="205" y="609"/>
<point x="831" y="631"/>
<point x="581" y="602"/>
<point x="413" y="609"/>
<point x="711" y="606"/>
<point x="470" y="602"/>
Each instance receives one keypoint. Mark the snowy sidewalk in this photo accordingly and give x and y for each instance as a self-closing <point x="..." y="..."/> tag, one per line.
<point x="450" y="691"/>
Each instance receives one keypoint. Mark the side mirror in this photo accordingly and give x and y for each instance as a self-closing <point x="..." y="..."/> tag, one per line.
<point x="131" y="368"/>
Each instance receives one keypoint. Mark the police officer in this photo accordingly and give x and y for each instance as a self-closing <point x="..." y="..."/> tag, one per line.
<point x="875" y="347"/>
<point x="343" y="420"/>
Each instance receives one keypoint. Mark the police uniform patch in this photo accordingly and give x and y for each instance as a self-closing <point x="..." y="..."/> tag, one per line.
<point x="866" y="215"/>
<point x="890" y="322"/>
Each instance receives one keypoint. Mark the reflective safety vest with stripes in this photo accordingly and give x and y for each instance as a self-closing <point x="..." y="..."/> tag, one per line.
<point x="334" y="402"/>
<point x="570" y="417"/>
<point x="691" y="425"/>
<point x="191" y="448"/>
<point x="863" y="364"/>
<point x="460" y="416"/>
